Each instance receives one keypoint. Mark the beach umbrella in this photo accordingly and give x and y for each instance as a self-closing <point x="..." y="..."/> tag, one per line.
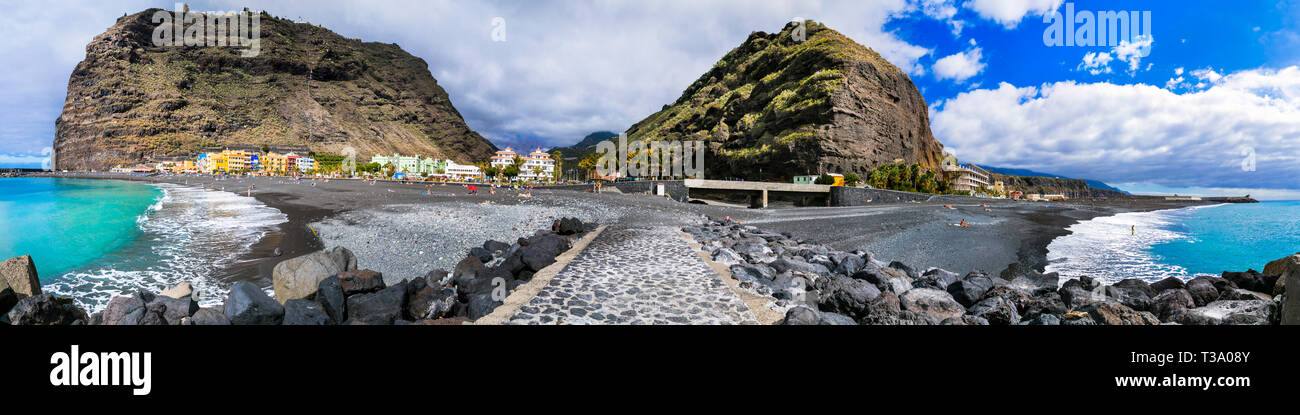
<point x="473" y="187"/>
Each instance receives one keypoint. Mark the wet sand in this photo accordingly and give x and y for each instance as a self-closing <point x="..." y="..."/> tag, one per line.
<point x="921" y="235"/>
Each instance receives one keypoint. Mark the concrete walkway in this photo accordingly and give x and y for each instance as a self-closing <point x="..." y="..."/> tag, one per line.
<point x="636" y="276"/>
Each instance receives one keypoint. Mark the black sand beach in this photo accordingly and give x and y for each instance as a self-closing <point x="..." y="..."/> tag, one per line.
<point x="921" y="235"/>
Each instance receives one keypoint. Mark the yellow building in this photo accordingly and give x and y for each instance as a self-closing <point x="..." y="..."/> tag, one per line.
<point x="275" y="163"/>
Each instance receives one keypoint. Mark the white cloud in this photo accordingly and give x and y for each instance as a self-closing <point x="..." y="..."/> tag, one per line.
<point x="1008" y="13"/>
<point x="1135" y="133"/>
<point x="25" y="161"/>
<point x="1207" y="75"/>
<point x="1096" y="63"/>
<point x="568" y="68"/>
<point x="960" y="66"/>
<point x="1133" y="52"/>
<point x="943" y="10"/>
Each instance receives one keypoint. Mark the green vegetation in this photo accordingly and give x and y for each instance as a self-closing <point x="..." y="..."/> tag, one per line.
<point x="824" y="179"/>
<point x="763" y="97"/>
<point x="908" y="178"/>
<point x="852" y="180"/>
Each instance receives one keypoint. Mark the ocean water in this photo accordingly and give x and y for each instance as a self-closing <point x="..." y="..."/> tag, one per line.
<point x="1185" y="243"/>
<point x="96" y="239"/>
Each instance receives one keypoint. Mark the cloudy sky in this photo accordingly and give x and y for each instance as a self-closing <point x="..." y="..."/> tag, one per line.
<point x="1207" y="101"/>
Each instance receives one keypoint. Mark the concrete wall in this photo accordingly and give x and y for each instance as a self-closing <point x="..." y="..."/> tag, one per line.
<point x="852" y="196"/>
<point x="675" y="188"/>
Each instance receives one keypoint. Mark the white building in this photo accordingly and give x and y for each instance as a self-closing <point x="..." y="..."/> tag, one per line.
<point x="538" y="166"/>
<point x="460" y="171"/>
<point x="967" y="177"/>
<point x="306" y="164"/>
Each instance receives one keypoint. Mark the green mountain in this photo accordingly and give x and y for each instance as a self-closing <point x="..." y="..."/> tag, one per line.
<point x="778" y="106"/>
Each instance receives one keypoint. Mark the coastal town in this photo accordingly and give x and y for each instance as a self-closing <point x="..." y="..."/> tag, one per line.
<point x="534" y="167"/>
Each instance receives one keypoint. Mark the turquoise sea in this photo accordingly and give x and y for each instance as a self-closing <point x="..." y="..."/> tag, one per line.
<point x="95" y="239"/>
<point x="1201" y="240"/>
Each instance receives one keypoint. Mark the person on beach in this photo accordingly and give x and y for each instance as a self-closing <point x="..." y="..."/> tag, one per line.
<point x="1133" y="230"/>
<point x="963" y="224"/>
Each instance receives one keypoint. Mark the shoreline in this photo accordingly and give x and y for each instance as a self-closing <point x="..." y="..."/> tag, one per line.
<point x="1011" y="232"/>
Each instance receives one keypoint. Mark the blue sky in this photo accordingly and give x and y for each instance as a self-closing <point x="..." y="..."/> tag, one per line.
<point x="1220" y="81"/>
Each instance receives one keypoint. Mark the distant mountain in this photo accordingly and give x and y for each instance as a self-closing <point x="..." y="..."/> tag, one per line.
<point x="586" y="146"/>
<point x="1030" y="173"/>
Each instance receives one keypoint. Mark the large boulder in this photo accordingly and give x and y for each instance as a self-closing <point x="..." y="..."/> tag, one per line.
<point x="936" y="278"/>
<point x="939" y="305"/>
<point x="47" y="310"/>
<point x="727" y="257"/>
<point x="783" y="265"/>
<point x="1115" y="314"/>
<point x="967" y="320"/>
<point x="998" y="311"/>
<point x="1133" y="296"/>
<point x="176" y="309"/>
<point x="1282" y="268"/>
<point x="469" y="268"/>
<point x="303" y="312"/>
<point x="1168" y="283"/>
<point x="8" y="297"/>
<point x="901" y="318"/>
<point x="298" y="277"/>
<point x="971" y="288"/>
<point x="1202" y="291"/>
<point x="845" y="296"/>
<point x="886" y="279"/>
<point x="424" y="301"/>
<point x="1291" y="308"/>
<point x="1245" y="312"/>
<point x="360" y="282"/>
<point x="154" y="315"/>
<point x="182" y="290"/>
<point x="801" y="316"/>
<point x="1050" y="303"/>
<point x="123" y="310"/>
<point x="1230" y="293"/>
<point x="567" y="226"/>
<point x="248" y="305"/>
<point x="481" y="305"/>
<point x="847" y="264"/>
<point x="1171" y="303"/>
<point x="329" y="294"/>
<point x="1077" y="293"/>
<point x="208" y="317"/>
<point x="1253" y="281"/>
<point x="1136" y="284"/>
<point x="20" y="274"/>
<point x="382" y="307"/>
<point x="344" y="258"/>
<point x="754" y="252"/>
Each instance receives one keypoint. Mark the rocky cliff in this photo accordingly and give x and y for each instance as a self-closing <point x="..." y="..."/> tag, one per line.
<point x="787" y="107"/>
<point x="130" y="101"/>
<point x="1071" y="188"/>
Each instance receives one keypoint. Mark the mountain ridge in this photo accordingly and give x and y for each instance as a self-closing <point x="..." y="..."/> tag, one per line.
<point x="130" y="101"/>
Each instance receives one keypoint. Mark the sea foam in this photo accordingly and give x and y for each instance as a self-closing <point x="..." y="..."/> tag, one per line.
<point x="188" y="235"/>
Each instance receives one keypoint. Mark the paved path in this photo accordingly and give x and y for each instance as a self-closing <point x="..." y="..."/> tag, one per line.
<point x="636" y="276"/>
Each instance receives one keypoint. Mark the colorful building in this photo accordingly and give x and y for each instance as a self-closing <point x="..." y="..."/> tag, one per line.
<point x="306" y="164"/>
